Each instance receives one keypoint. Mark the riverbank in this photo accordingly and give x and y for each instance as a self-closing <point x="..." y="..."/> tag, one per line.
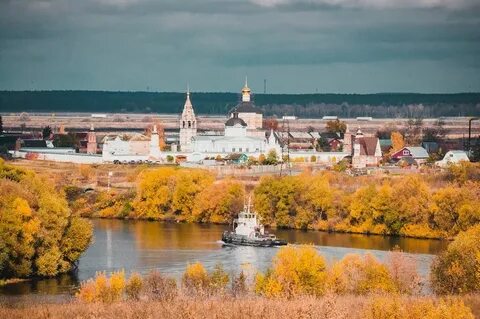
<point x="4" y="282"/>
<point x="352" y="307"/>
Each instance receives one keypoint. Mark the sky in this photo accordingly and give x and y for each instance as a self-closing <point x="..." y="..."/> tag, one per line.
<point x="298" y="46"/>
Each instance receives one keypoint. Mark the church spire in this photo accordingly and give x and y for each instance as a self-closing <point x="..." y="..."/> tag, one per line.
<point x="188" y="107"/>
<point x="246" y="92"/>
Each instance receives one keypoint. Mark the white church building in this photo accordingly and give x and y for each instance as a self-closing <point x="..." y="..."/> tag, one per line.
<point x="243" y="132"/>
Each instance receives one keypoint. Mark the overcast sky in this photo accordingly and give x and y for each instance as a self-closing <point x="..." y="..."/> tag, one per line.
<point x="299" y="46"/>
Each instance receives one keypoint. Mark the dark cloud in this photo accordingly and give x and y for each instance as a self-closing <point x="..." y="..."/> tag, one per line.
<point x="299" y="45"/>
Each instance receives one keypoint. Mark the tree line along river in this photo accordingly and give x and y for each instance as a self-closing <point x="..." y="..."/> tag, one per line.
<point x="145" y="245"/>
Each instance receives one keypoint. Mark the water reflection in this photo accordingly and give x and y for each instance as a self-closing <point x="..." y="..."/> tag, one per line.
<point x="143" y="245"/>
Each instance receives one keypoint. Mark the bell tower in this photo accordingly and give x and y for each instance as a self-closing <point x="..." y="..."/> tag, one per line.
<point x="188" y="125"/>
<point x="91" y="141"/>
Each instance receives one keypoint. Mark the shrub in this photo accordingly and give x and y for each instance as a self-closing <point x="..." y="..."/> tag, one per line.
<point x="239" y="284"/>
<point x="158" y="287"/>
<point x="395" y="308"/>
<point x="218" y="279"/>
<point x="102" y="288"/>
<point x="457" y="270"/>
<point x="357" y="275"/>
<point x="195" y="278"/>
<point x="295" y="271"/>
<point x="404" y="273"/>
<point x="134" y="286"/>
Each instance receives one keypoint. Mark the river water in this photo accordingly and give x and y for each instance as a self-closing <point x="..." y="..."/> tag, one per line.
<point x="145" y="245"/>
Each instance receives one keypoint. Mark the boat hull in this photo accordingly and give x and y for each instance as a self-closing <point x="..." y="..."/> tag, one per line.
<point x="234" y="239"/>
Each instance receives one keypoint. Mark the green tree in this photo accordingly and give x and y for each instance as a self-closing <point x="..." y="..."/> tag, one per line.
<point x="272" y="158"/>
<point x="46" y="132"/>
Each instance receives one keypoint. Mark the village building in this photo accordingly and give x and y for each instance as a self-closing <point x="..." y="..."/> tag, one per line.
<point x="453" y="157"/>
<point x="418" y="153"/>
<point x="249" y="113"/>
<point x="91" y="141"/>
<point x="131" y="147"/>
<point x="188" y="125"/>
<point x="366" y="150"/>
<point x="242" y="133"/>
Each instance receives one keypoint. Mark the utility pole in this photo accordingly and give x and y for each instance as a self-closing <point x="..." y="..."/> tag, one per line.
<point x="264" y="86"/>
<point x="109" y="177"/>
<point x="469" y="147"/>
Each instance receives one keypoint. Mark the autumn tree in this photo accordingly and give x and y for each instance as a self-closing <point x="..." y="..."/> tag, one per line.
<point x="169" y="193"/>
<point x="457" y="270"/>
<point x="270" y="123"/>
<point x="360" y="275"/>
<point x="397" y="142"/>
<point x="219" y="202"/>
<point x="413" y="133"/>
<point x="39" y="236"/>
<point x="454" y="209"/>
<point x="295" y="271"/>
<point x="336" y="126"/>
<point x="272" y="157"/>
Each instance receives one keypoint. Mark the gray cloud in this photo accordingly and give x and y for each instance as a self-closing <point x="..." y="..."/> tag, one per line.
<point x="298" y="45"/>
<point x="449" y="4"/>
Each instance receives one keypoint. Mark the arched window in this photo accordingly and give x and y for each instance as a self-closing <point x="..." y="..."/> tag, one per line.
<point x="189" y="124"/>
<point x="183" y="124"/>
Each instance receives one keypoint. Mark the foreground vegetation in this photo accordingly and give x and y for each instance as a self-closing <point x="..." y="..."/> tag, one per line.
<point x="299" y="284"/>
<point x="418" y="205"/>
<point x="39" y="235"/>
<point x="332" y="307"/>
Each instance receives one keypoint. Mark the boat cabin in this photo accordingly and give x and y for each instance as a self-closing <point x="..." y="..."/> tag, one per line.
<point x="247" y="224"/>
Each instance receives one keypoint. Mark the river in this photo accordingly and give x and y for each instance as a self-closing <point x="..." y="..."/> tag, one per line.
<point x="145" y="245"/>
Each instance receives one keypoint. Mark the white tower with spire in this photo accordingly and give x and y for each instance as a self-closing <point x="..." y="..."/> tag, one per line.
<point x="155" y="144"/>
<point x="188" y="125"/>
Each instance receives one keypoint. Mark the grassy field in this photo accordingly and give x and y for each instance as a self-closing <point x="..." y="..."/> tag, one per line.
<point x="330" y="306"/>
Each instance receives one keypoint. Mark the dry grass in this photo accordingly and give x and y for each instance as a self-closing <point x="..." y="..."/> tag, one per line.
<point x="329" y="306"/>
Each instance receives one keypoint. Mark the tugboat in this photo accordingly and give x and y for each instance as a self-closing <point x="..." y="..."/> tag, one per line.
<point x="249" y="232"/>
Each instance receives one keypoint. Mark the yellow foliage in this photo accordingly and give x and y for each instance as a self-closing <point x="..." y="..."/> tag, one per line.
<point x="357" y="275"/>
<point x="102" y="288"/>
<point x="457" y="269"/>
<point x="134" y="286"/>
<point x="169" y="192"/>
<point x="397" y="142"/>
<point x="195" y="278"/>
<point x="392" y="307"/>
<point x="295" y="271"/>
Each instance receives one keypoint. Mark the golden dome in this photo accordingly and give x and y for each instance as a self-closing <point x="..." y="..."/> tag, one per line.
<point x="246" y="89"/>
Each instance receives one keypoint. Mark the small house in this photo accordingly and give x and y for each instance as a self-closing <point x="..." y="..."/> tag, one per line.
<point x="418" y="153"/>
<point x="453" y="157"/>
<point x="431" y="147"/>
<point x="237" y="158"/>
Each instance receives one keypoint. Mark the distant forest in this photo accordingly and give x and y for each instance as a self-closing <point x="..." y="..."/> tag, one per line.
<point x="382" y="105"/>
